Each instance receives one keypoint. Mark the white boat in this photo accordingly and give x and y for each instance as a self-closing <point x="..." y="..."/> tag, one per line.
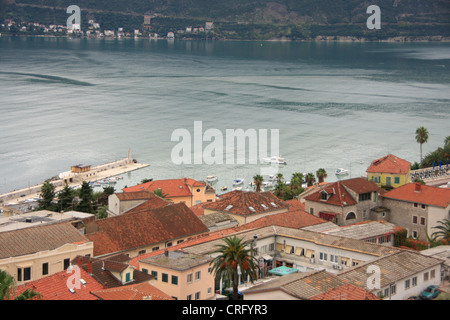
<point x="236" y="189"/>
<point x="238" y="181"/>
<point x="267" y="184"/>
<point x="211" y="178"/>
<point x="224" y="188"/>
<point x="341" y="171"/>
<point x="275" y="159"/>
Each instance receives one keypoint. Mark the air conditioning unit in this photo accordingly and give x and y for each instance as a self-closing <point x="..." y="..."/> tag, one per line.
<point x="339" y="267"/>
<point x="312" y="260"/>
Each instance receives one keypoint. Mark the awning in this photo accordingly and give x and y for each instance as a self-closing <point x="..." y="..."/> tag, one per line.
<point x="327" y="215"/>
<point x="299" y="251"/>
<point x="267" y="257"/>
<point x="309" y="253"/>
<point x="283" y="270"/>
<point x="280" y="247"/>
<point x="288" y="249"/>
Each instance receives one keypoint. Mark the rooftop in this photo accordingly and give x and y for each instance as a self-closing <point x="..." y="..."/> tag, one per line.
<point x="389" y="164"/>
<point x="140" y="291"/>
<point x="177" y="260"/>
<point x="171" y="187"/>
<point x="423" y="194"/>
<point x="247" y="203"/>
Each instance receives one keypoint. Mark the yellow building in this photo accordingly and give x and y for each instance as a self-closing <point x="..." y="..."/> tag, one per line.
<point x="389" y="172"/>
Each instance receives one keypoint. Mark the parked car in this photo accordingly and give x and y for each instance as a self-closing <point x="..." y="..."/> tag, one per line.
<point x="414" y="298"/>
<point x="430" y="292"/>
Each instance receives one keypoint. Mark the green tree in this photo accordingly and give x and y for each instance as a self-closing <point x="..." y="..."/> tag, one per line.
<point x="86" y="196"/>
<point x="65" y="198"/>
<point x="310" y="179"/>
<point x="145" y="180"/>
<point x="160" y="193"/>
<point x="321" y="174"/>
<point x="102" y="213"/>
<point x="46" y="197"/>
<point x="444" y="230"/>
<point x="421" y="138"/>
<point x="235" y="254"/>
<point x="7" y="289"/>
<point x="258" y="180"/>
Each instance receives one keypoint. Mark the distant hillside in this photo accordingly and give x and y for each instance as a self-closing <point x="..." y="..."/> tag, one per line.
<point x="295" y="19"/>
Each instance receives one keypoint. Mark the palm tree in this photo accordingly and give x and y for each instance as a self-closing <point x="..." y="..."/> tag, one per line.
<point x="444" y="230"/>
<point x="421" y="137"/>
<point x="7" y="286"/>
<point x="160" y="193"/>
<point x="258" y="180"/>
<point x="279" y="178"/>
<point x="447" y="142"/>
<point x="296" y="180"/>
<point x="233" y="255"/>
<point x="310" y="179"/>
<point x="321" y="174"/>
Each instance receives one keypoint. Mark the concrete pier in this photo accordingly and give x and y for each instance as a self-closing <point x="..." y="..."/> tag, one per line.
<point x="74" y="180"/>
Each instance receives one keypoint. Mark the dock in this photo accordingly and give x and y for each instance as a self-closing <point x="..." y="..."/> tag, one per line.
<point x="74" y="179"/>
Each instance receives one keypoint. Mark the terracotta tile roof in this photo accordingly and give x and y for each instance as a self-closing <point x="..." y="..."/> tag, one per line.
<point x="152" y="203"/>
<point x="54" y="287"/>
<point x="141" y="291"/>
<point x="346" y="292"/>
<point x="295" y="205"/>
<point x="423" y="194"/>
<point x="139" y="195"/>
<point x="247" y="203"/>
<point x="171" y="187"/>
<point x="339" y="196"/>
<point x="360" y="185"/>
<point x="389" y="164"/>
<point x="103" y="269"/>
<point x="145" y="227"/>
<point x="38" y="238"/>
<point x="292" y="219"/>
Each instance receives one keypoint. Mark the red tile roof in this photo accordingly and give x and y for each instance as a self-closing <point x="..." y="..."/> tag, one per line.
<point x="137" y="195"/>
<point x="242" y="202"/>
<point x="140" y="291"/>
<point x="145" y="227"/>
<point x="346" y="292"/>
<point x="339" y="196"/>
<point x="171" y="187"/>
<point x="433" y="196"/>
<point x="55" y="287"/>
<point x="360" y="185"/>
<point x="390" y="164"/>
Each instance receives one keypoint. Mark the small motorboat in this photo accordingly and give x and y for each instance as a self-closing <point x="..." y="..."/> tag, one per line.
<point x="341" y="171"/>
<point x="275" y="160"/>
<point x="224" y="188"/>
<point x="238" y="181"/>
<point x="211" y="178"/>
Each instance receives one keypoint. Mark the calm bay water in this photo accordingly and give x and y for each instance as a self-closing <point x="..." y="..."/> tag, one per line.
<point x="87" y="101"/>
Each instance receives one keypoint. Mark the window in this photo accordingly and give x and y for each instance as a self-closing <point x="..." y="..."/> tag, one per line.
<point x="397" y="180"/>
<point x="45" y="268"/>
<point x="175" y="280"/>
<point x="323" y="196"/>
<point x="365" y="196"/>
<point x="323" y="256"/>
<point x="197" y="295"/>
<point x="155" y="274"/>
<point x="189" y="278"/>
<point x="145" y="271"/>
<point x="422" y="221"/>
<point x="407" y="284"/>
<point x="197" y="275"/>
<point x="165" y="277"/>
<point x="416" y="205"/>
<point x="334" y="258"/>
<point x="414" y="219"/>
<point x="271" y="247"/>
<point x="209" y="290"/>
<point x="128" y="277"/>
<point x="311" y="210"/>
<point x="432" y="274"/>
<point x="350" y="216"/>
<point x="189" y="297"/>
<point x="169" y="244"/>
<point x="24" y="274"/>
<point x="414" y="281"/>
<point x="425" y="276"/>
<point x="388" y="181"/>
<point x="423" y="206"/>
<point x="393" y="289"/>
<point x="141" y="252"/>
<point x="414" y="234"/>
<point x="386" y="292"/>
<point x="66" y="263"/>
<point x="375" y="196"/>
<point x="155" y="248"/>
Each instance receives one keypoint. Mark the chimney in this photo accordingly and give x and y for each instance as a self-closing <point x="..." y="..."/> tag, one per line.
<point x="89" y="267"/>
<point x="418" y="187"/>
<point x="166" y="253"/>
<point x="79" y="262"/>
